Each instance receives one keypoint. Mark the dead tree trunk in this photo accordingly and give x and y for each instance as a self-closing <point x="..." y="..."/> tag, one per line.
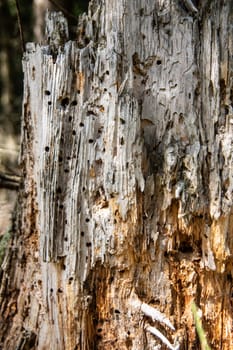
<point x="125" y="215"/>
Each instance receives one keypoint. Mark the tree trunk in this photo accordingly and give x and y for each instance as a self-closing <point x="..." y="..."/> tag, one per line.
<point x="39" y="10"/>
<point x="125" y="215"/>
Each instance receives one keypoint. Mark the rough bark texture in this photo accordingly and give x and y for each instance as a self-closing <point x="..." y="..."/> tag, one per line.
<point x="127" y="198"/>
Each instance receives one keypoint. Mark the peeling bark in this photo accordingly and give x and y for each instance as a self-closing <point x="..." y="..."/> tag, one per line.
<point x="125" y="214"/>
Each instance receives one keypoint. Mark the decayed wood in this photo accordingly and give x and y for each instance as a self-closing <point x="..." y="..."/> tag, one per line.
<point x="126" y="210"/>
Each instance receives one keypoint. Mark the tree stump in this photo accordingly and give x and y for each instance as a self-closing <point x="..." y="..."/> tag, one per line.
<point x="125" y="212"/>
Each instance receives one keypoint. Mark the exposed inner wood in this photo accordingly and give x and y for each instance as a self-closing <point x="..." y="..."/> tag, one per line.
<point x="127" y="165"/>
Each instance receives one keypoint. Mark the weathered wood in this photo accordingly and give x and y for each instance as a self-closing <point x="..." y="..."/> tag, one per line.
<point x="126" y="210"/>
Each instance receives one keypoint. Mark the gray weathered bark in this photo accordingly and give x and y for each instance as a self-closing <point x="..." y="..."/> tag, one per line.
<point x="126" y="209"/>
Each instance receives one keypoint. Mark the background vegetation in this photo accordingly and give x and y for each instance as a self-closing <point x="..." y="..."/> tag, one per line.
<point x="11" y="77"/>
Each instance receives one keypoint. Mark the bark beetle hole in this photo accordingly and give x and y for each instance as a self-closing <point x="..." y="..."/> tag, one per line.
<point x="78" y="91"/>
<point x="47" y="92"/>
<point x="185" y="247"/>
<point x="70" y="118"/>
<point x="65" y="239"/>
<point x="51" y="290"/>
<point x="46" y="148"/>
<point x="33" y="73"/>
<point x="74" y="103"/>
<point x="122" y="142"/>
<point x="73" y="132"/>
<point x="181" y="118"/>
<point x="61" y="206"/>
<point x="158" y="62"/>
<point x="66" y="170"/>
<point x="128" y="332"/>
<point x="88" y="244"/>
<point x="87" y="220"/>
<point x="226" y="110"/>
<point x="81" y="124"/>
<point x="82" y="234"/>
<point x="117" y="311"/>
<point x="64" y="102"/>
<point x="49" y="103"/>
<point x="60" y="290"/>
<point x="99" y="330"/>
<point x="90" y="140"/>
<point x="60" y="159"/>
<point x="189" y="95"/>
<point x="107" y="72"/>
<point x="211" y="88"/>
<point x="91" y="113"/>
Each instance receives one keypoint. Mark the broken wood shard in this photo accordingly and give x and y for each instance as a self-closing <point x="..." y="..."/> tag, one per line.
<point x="155" y="315"/>
<point x="158" y="334"/>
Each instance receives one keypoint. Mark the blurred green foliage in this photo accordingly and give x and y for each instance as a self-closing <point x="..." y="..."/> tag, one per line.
<point x="11" y="77"/>
<point x="79" y="7"/>
<point x="200" y="331"/>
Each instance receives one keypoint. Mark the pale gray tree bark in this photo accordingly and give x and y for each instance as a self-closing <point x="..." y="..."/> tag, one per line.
<point x="125" y="214"/>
